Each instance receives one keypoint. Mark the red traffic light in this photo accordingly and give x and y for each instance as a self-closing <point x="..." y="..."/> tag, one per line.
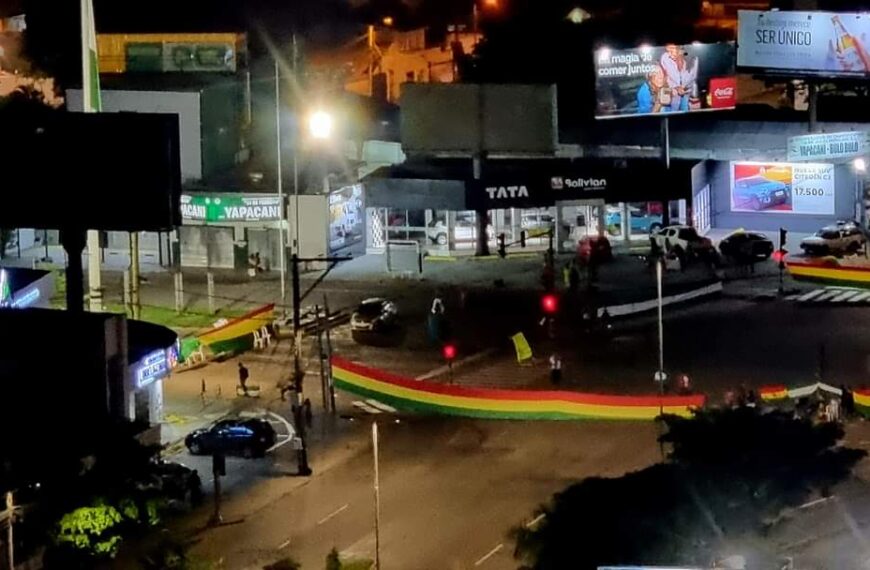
<point x="550" y="303"/>
<point x="449" y="351"/>
<point x="779" y="255"/>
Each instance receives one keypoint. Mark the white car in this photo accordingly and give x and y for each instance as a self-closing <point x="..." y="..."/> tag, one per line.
<point x="681" y="240"/>
<point x="837" y="239"/>
<point x="463" y="230"/>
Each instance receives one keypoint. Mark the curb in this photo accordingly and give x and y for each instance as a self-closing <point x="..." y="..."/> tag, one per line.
<point x="649" y="305"/>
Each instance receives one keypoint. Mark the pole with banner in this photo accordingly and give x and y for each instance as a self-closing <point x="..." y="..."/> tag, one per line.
<point x="91" y="103"/>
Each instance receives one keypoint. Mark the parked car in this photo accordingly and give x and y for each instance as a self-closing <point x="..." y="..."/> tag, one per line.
<point x="374" y="315"/>
<point x="537" y="224"/>
<point x="746" y="246"/>
<point x="760" y="193"/>
<point x="837" y="239"/>
<point x="249" y="437"/>
<point x="641" y="222"/>
<point x="594" y="249"/>
<point x="682" y="241"/>
<point x="464" y="230"/>
<point x="176" y="482"/>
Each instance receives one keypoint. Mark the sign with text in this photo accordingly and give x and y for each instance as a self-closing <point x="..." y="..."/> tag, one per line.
<point x="828" y="146"/>
<point x="673" y="78"/>
<point x="230" y="207"/>
<point x="812" y="43"/>
<point x="782" y="188"/>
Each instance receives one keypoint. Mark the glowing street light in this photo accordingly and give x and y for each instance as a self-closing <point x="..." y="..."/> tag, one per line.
<point x="387" y="21"/>
<point x="320" y="125"/>
<point x="860" y="165"/>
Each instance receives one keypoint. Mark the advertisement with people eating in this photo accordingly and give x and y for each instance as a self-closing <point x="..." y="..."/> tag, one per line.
<point x="674" y="78"/>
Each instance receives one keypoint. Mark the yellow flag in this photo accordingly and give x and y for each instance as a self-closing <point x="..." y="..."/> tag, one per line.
<point x="521" y="345"/>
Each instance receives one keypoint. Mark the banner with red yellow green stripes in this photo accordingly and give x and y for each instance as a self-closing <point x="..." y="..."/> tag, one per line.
<point x="429" y="397"/>
<point x="829" y="270"/>
<point x="862" y="401"/>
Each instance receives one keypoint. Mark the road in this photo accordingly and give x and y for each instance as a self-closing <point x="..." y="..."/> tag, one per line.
<point x="452" y="489"/>
<point x="445" y="504"/>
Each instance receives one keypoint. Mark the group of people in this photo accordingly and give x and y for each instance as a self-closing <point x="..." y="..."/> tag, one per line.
<point x="671" y="85"/>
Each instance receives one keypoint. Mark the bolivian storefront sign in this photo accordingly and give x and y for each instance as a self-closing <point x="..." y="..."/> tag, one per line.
<point x="225" y="207"/>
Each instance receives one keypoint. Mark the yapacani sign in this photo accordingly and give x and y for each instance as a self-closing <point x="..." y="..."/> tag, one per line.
<point x="828" y="146"/>
<point x="230" y="207"/>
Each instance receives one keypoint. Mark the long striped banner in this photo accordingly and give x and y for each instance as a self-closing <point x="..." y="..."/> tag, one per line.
<point x="238" y="333"/>
<point x="429" y="397"/>
<point x="862" y="400"/>
<point x="829" y="270"/>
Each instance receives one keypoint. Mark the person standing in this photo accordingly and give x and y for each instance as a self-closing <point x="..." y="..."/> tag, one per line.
<point x="555" y="369"/>
<point x="679" y="76"/>
<point x="243" y="378"/>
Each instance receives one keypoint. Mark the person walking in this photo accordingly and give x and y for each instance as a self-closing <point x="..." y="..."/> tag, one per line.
<point x="243" y="378"/>
<point x="555" y="369"/>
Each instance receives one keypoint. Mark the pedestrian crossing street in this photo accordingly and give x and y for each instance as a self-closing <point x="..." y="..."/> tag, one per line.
<point x="832" y="296"/>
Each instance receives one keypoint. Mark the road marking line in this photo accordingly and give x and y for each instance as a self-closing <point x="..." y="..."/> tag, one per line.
<point x="284" y="544"/>
<point x="365" y="407"/>
<point x="816" y="502"/>
<point x="827" y="296"/>
<point x="381" y="406"/>
<point x="811" y="295"/>
<point x="489" y="554"/>
<point x="290" y="432"/>
<point x="843" y="296"/>
<point x="862" y="297"/>
<point x="535" y="520"/>
<point x="332" y="514"/>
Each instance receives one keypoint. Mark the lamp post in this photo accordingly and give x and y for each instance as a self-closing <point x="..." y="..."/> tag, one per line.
<point x="283" y="254"/>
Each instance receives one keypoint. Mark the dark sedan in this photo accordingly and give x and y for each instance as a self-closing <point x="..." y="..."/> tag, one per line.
<point x="374" y="315"/>
<point x="249" y="437"/>
<point x="746" y="246"/>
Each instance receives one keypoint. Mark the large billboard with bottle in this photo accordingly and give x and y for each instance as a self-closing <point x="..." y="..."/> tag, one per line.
<point x="782" y="188"/>
<point x="673" y="78"/>
<point x="804" y="43"/>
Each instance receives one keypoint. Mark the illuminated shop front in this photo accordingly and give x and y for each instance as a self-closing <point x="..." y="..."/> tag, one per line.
<point x="152" y="353"/>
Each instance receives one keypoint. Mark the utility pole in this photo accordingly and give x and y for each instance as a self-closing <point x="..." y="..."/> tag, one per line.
<point x="296" y="140"/>
<point x="371" y="42"/>
<point x="282" y="266"/>
<point x="10" y="546"/>
<point x="298" y="421"/>
<point x="377" y="489"/>
<point x="134" y="275"/>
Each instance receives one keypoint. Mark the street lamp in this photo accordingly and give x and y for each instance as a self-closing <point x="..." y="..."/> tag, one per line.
<point x="320" y="125"/>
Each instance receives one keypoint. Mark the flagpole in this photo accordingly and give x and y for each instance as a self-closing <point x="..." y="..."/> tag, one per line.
<point x="89" y="83"/>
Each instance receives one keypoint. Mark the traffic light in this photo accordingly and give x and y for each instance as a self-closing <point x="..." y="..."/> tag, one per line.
<point x="779" y="255"/>
<point x="449" y="352"/>
<point x="783" y="234"/>
<point x="550" y="304"/>
<point x="502" y="250"/>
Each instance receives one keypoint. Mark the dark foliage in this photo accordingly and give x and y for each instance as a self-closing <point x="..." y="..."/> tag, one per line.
<point x="729" y="475"/>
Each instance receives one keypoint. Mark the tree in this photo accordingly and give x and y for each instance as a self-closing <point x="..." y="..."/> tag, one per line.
<point x="729" y="474"/>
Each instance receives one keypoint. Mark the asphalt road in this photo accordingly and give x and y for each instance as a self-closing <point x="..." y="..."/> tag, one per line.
<point x="451" y="490"/>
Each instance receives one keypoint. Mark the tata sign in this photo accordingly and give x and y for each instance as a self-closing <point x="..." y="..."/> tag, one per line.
<point x="211" y="208"/>
<point x="809" y="43"/>
<point x="828" y="146"/>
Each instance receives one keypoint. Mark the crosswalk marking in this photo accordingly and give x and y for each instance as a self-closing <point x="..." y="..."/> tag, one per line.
<point x="832" y="295"/>
<point x="811" y="295"/>
<point x="374" y="407"/>
<point x="366" y="408"/>
<point x="381" y="406"/>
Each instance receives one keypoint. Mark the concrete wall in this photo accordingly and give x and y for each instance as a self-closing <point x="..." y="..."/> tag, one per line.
<point x="184" y="104"/>
<point x="718" y="175"/>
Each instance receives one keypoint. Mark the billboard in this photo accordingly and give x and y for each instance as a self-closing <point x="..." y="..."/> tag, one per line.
<point x="828" y="146"/>
<point x="809" y="43"/>
<point x="782" y="188"/>
<point x="347" y="224"/>
<point x="673" y="78"/>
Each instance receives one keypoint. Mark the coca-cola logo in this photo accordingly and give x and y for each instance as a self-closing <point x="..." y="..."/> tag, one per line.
<point x="724" y="92"/>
